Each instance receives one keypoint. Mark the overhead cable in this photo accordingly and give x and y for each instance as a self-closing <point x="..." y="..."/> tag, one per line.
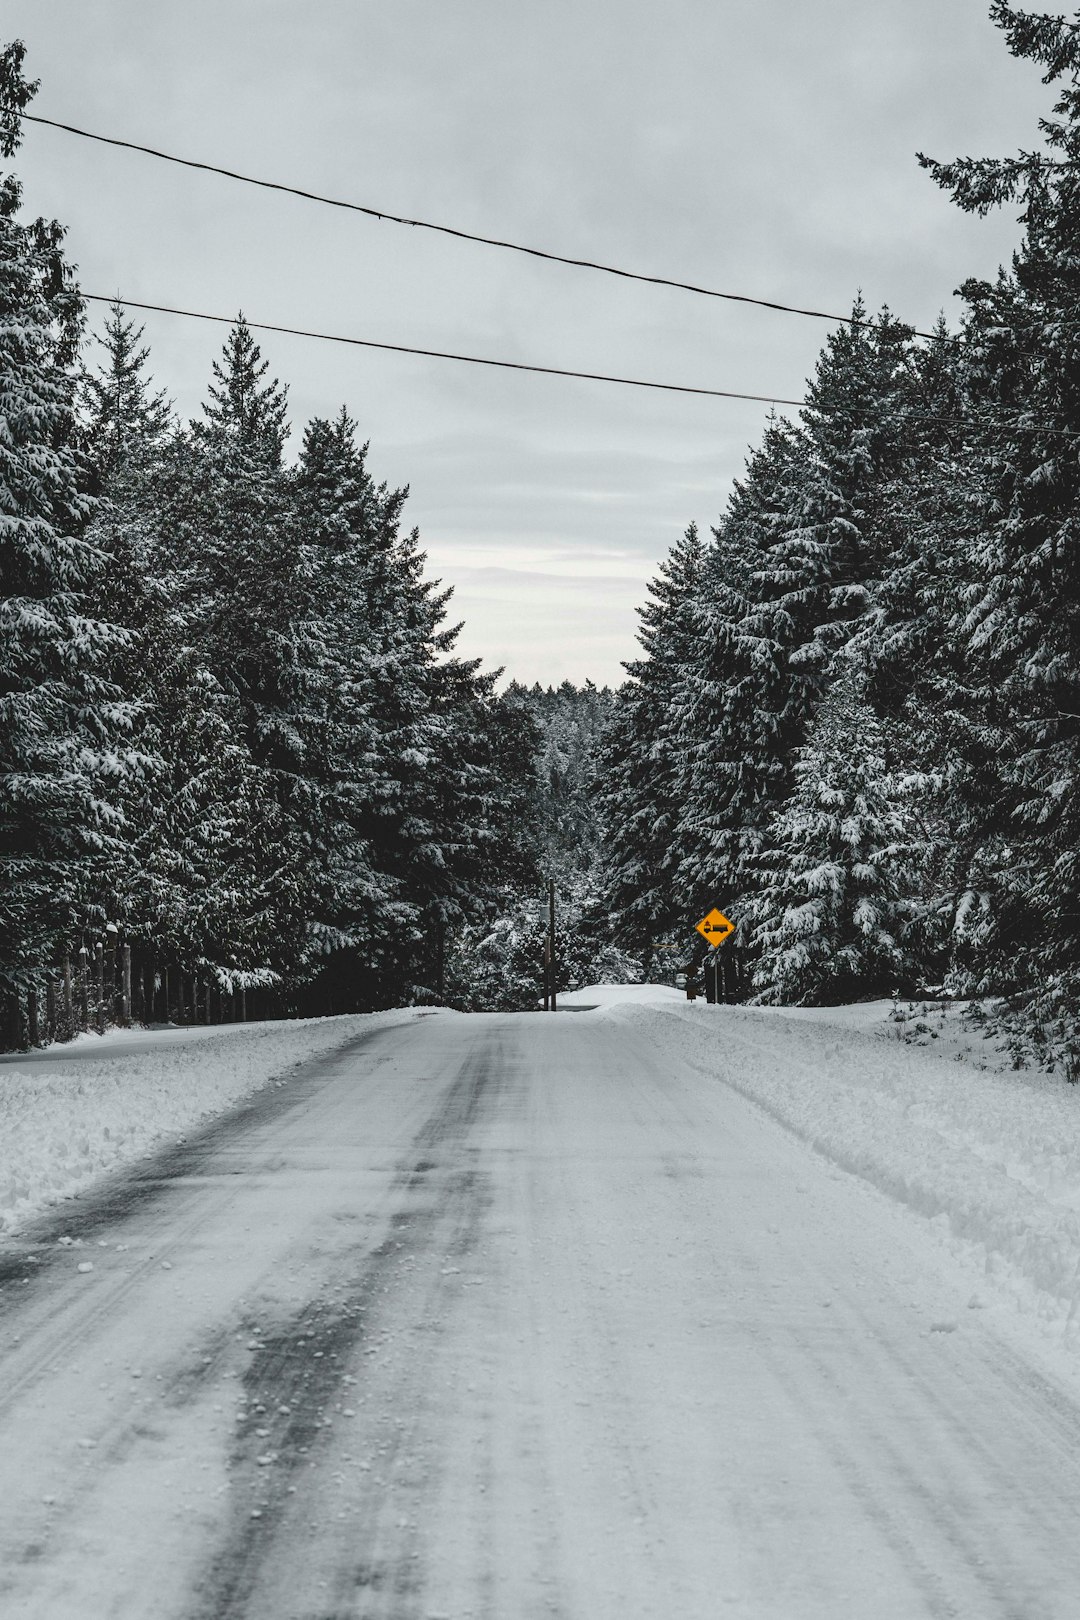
<point x="451" y="230"/>
<point x="544" y="371"/>
<point x="439" y="354"/>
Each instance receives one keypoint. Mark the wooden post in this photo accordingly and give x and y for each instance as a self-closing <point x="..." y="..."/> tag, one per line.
<point x="11" y="1021"/>
<point x="69" y="1001"/>
<point x="50" y="1008"/>
<point x="99" y="987"/>
<point x="243" y="1004"/>
<point x="108" y="999"/>
<point x="551" y="935"/>
<point x="84" y="987"/>
<point x="33" y="1030"/>
<point x="125" y="984"/>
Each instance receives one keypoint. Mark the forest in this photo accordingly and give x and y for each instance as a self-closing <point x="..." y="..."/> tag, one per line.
<point x="235" y="733"/>
<point x="855" y="720"/>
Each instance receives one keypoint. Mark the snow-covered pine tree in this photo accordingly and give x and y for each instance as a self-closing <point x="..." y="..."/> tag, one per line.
<point x="422" y="815"/>
<point x="788" y="580"/>
<point x="340" y="522"/>
<point x="446" y="830"/>
<point x="570" y="721"/>
<point x="60" y="715"/>
<point x="122" y="419"/>
<point x="187" y="880"/>
<point x="911" y="646"/>
<point x="1020" y="629"/>
<point x="825" y="558"/>
<point x="830" y="911"/>
<point x="739" y="708"/>
<point x="639" y="758"/>
<point x="243" y="405"/>
<point x="498" y="959"/>
<point x="246" y="598"/>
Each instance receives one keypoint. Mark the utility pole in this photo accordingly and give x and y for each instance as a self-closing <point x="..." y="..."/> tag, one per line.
<point x="553" y="959"/>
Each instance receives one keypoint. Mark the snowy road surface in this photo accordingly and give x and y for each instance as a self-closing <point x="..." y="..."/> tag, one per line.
<point x="514" y="1317"/>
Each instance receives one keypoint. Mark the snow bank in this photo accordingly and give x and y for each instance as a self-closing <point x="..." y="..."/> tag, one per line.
<point x="606" y="995"/>
<point x="991" y="1159"/>
<point x="71" y="1112"/>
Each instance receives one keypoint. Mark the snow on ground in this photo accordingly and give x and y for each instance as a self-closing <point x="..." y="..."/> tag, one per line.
<point x="69" y="1113"/>
<point x="945" y="1027"/>
<point x="990" y="1158"/>
<point x="609" y="995"/>
<point x="919" y="1105"/>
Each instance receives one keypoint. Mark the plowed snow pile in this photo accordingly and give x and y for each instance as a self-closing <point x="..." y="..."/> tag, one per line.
<point x="72" y="1112"/>
<point x="990" y="1158"/>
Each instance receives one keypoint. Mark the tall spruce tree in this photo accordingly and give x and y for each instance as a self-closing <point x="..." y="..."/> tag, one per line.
<point x="739" y="707"/>
<point x="60" y="715"/>
<point x="1020" y="624"/>
<point x="122" y="419"/>
<point x="789" y="580"/>
<point x="831" y="906"/>
<point x="236" y="602"/>
<point x="639" y="759"/>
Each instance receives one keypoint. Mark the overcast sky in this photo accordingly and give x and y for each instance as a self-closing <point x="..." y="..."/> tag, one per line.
<point x="758" y="146"/>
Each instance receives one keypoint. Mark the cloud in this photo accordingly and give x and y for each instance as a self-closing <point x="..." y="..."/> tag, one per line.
<point x="757" y="146"/>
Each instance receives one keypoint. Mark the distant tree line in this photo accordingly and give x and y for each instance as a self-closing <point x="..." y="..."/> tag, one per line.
<point x="855" y="720"/>
<point x="497" y="954"/>
<point x="234" y="732"/>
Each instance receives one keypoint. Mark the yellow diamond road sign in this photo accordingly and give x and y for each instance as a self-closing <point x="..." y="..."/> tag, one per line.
<point x="715" y="928"/>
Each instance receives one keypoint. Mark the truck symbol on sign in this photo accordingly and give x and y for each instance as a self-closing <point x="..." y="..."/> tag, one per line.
<point x="715" y="927"/>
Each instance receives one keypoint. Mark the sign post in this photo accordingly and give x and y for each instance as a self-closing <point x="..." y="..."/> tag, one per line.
<point x="714" y="929"/>
<point x="552" y="958"/>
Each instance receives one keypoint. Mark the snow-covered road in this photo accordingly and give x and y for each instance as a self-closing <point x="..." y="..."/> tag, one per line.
<point x="517" y="1317"/>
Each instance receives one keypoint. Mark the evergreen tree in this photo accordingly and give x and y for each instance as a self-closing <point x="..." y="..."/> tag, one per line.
<point x="59" y="713"/>
<point x="121" y="418"/>
<point x="637" y="779"/>
<point x="911" y="648"/>
<point x="740" y="708"/>
<point x="789" y="579"/>
<point x="570" y="722"/>
<point x="340" y="525"/>
<point x="422" y="819"/>
<point x="242" y="406"/>
<point x="242" y="598"/>
<point x="828" y="554"/>
<point x="1020" y="622"/>
<point x="831" y="906"/>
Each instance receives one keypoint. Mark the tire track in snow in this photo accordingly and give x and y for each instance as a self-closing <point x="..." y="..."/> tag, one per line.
<point x="52" y="1322"/>
<point x="319" y="1358"/>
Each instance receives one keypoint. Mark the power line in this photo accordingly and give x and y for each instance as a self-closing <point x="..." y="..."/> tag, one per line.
<point x="451" y="230"/>
<point x="544" y="371"/>
<point x="441" y="354"/>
